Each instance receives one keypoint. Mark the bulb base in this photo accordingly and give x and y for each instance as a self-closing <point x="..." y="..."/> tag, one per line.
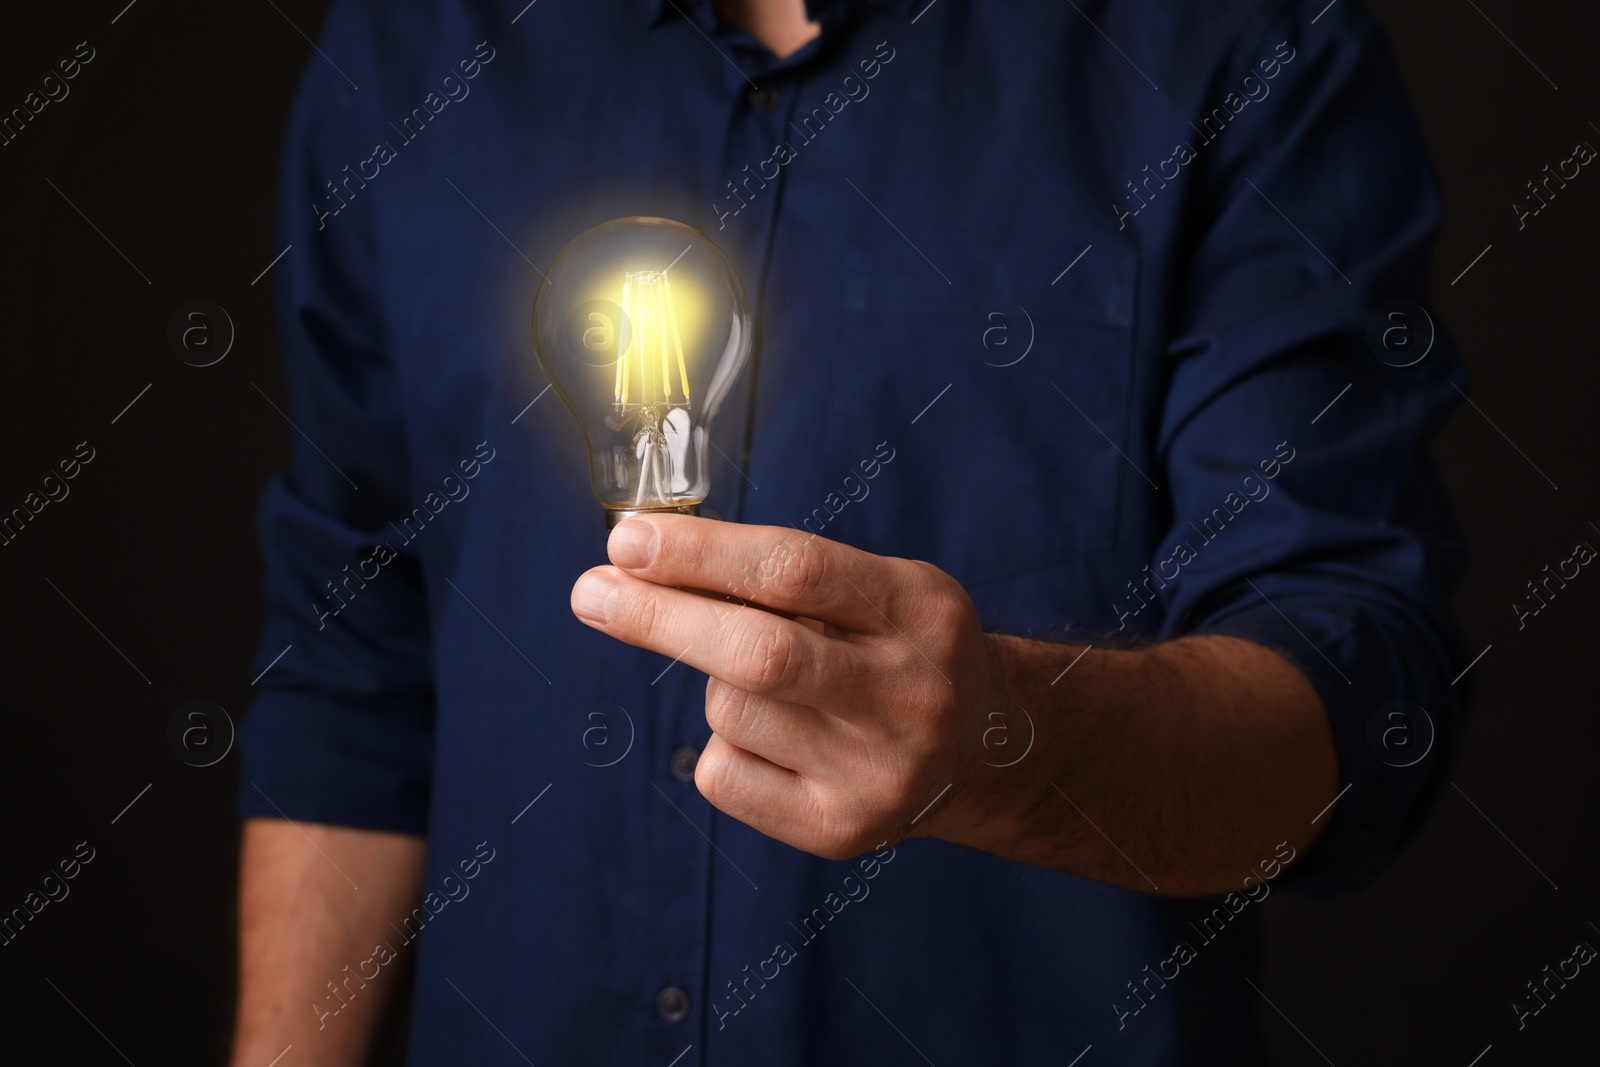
<point x="616" y="515"/>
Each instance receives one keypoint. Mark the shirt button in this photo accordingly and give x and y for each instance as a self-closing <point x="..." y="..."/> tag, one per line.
<point x="672" y="1004"/>
<point x="683" y="762"/>
<point x="762" y="98"/>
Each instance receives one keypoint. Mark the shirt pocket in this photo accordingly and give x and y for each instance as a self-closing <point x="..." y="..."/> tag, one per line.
<point x="1008" y="425"/>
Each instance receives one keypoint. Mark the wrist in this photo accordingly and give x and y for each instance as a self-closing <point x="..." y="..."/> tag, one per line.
<point x="1000" y="767"/>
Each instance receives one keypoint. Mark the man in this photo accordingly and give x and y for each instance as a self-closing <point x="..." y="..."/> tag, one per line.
<point x="1077" y="537"/>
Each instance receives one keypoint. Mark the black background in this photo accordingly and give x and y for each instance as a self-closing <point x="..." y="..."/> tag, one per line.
<point x="169" y="143"/>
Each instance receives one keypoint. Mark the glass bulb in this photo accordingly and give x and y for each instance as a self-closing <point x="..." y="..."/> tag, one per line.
<point x="641" y="327"/>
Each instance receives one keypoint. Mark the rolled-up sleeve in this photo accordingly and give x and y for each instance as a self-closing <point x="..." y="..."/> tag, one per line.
<point x="1285" y="431"/>
<point x="341" y="728"/>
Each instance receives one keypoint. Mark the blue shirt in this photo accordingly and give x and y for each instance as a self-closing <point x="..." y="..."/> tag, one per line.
<point x="1086" y="287"/>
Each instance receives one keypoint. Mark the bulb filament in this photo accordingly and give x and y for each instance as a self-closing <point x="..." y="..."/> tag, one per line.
<point x="651" y="340"/>
<point x="652" y="346"/>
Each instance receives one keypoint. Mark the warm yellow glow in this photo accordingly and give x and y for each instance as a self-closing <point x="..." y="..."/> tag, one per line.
<point x="622" y="364"/>
<point x="677" y="339"/>
<point x="653" y="337"/>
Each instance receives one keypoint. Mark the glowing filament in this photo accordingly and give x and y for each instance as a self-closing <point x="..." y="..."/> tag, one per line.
<point x="651" y="339"/>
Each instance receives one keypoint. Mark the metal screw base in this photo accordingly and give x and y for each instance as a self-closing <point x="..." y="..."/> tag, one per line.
<point x="616" y="515"/>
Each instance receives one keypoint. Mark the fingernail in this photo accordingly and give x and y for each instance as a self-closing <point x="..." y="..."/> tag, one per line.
<point x="632" y="544"/>
<point x="595" y="596"/>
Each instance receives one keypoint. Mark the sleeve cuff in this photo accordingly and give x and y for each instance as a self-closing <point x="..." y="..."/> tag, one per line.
<point x="1396" y="722"/>
<point x="311" y="758"/>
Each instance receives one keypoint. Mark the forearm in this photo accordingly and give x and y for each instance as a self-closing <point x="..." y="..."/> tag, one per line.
<point x="1174" y="769"/>
<point x="313" y="900"/>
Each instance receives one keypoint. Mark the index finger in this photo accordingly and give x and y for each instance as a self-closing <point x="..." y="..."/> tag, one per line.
<point x="778" y="568"/>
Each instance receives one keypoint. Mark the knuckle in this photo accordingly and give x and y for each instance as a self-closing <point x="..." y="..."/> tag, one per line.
<point x="766" y="658"/>
<point x="728" y="709"/>
<point x="801" y="569"/>
<point x="942" y="607"/>
<point x="938" y="586"/>
<point x="950" y="620"/>
<point x="713" y="775"/>
<point x="765" y="570"/>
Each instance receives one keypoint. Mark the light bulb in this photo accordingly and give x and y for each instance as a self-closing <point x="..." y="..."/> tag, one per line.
<point x="641" y="327"/>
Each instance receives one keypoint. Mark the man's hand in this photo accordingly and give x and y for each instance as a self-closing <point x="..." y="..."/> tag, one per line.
<point x="846" y="689"/>
<point x="851" y="694"/>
